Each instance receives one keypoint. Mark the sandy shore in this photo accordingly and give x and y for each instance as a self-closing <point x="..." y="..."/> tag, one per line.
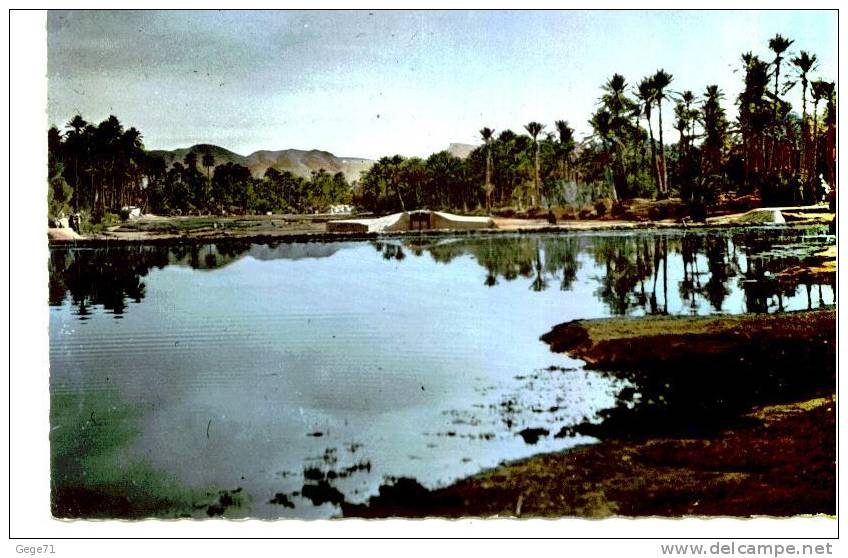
<point x="752" y="431"/>
<point x="63" y="235"/>
<point x="306" y="228"/>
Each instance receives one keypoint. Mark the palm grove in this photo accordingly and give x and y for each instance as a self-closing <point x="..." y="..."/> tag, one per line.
<point x="770" y="150"/>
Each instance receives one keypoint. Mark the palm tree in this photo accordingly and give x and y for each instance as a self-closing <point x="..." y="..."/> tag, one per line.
<point x="821" y="90"/>
<point x="601" y="124"/>
<point x="830" y="138"/>
<point x="647" y="94"/>
<point x="805" y="63"/>
<point x="507" y="151"/>
<point x="614" y="97"/>
<point x="534" y="129"/>
<point x="155" y="169"/>
<point x="107" y="138"/>
<point x="208" y="162"/>
<point x="77" y="123"/>
<point x="778" y="44"/>
<point x="685" y="124"/>
<point x="54" y="148"/>
<point x="681" y="125"/>
<point x="661" y="80"/>
<point x="76" y="143"/>
<point x="132" y="152"/>
<point x="620" y="108"/>
<point x="566" y="144"/>
<point x="190" y="160"/>
<point x="715" y="128"/>
<point x="691" y="115"/>
<point x="487" y="134"/>
<point x="754" y="115"/>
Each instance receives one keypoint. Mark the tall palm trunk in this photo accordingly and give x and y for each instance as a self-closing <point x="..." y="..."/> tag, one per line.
<point x="76" y="182"/>
<point x="692" y="130"/>
<point x="776" y="88"/>
<point x="207" y="195"/>
<point x="771" y="150"/>
<point x="662" y="170"/>
<point x="489" y="187"/>
<point x="802" y="163"/>
<point x="814" y="163"/>
<point x="654" y="162"/>
<point x="612" y="178"/>
<point x="537" y="195"/>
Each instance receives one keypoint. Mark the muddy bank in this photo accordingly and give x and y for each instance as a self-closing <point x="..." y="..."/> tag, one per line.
<point x="694" y="376"/>
<point x="781" y="466"/>
<point x="670" y="341"/>
<point x="727" y="415"/>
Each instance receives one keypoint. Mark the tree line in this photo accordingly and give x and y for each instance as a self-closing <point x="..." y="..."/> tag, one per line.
<point x="101" y="168"/>
<point x="769" y="149"/>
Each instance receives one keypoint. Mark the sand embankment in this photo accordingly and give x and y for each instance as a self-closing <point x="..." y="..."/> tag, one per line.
<point x="63" y="234"/>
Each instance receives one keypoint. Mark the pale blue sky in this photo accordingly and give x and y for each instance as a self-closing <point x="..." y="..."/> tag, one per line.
<point x="374" y="83"/>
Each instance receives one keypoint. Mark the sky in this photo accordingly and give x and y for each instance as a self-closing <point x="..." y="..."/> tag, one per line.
<point x="368" y="84"/>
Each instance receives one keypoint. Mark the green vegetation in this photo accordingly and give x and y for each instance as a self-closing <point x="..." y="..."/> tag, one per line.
<point x="98" y="169"/>
<point x="94" y="477"/>
<point x="769" y="150"/>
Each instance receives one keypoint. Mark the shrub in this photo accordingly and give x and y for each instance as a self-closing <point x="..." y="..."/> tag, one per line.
<point x="59" y="194"/>
<point x="602" y="207"/>
<point x="104" y="218"/>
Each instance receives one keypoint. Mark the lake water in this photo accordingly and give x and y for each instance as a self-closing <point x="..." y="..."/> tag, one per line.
<point x="274" y="380"/>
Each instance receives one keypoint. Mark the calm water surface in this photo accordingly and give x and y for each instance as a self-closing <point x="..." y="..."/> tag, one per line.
<point x="275" y="380"/>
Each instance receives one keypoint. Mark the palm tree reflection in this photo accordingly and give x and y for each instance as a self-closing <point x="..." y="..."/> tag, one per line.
<point x="631" y="273"/>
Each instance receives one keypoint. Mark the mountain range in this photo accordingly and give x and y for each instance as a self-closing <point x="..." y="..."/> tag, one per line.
<point x="296" y="161"/>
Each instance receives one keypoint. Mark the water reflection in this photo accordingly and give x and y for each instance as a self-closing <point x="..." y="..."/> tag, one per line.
<point x="112" y="277"/>
<point x="633" y="273"/>
<point x="108" y="278"/>
<point x="272" y="379"/>
<point x="636" y="269"/>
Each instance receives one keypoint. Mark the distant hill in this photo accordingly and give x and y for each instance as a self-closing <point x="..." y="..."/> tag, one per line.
<point x="461" y="150"/>
<point x="303" y="163"/>
<point x="296" y="161"/>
